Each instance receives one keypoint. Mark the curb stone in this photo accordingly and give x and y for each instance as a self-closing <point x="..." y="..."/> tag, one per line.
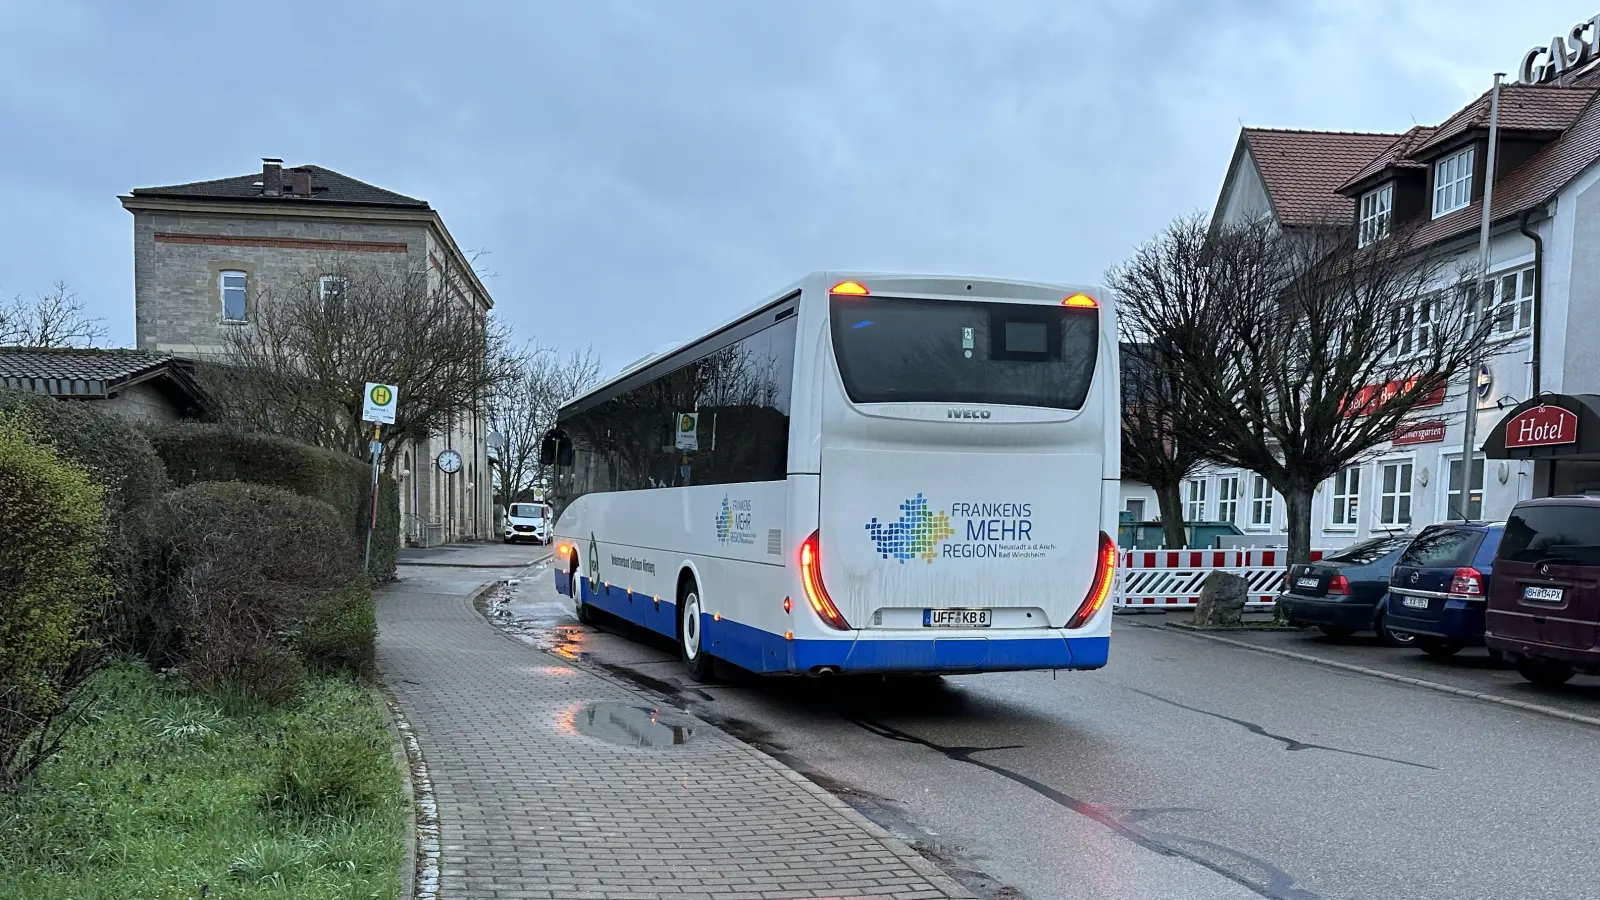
<point x="1523" y="705"/>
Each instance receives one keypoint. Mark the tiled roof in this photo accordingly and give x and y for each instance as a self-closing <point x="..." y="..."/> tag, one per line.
<point x="1531" y="184"/>
<point x="1303" y="170"/>
<point x="71" y="372"/>
<point x="327" y="186"/>
<point x="1523" y="107"/>
<point x="1394" y="156"/>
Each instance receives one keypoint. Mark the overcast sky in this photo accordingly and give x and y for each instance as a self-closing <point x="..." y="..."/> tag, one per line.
<point x="637" y="171"/>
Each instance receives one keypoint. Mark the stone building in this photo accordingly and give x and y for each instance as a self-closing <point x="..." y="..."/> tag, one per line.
<point x="207" y="251"/>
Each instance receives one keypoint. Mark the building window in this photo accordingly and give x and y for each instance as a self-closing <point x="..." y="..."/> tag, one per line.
<point x="1376" y="207"/>
<point x="1136" y="509"/>
<point x="1413" y="329"/>
<point x="1394" y="496"/>
<point x="1452" y="182"/>
<point x="1510" y="301"/>
<point x="1194" y="506"/>
<point x="1347" y="498"/>
<point x="330" y="287"/>
<point x="235" y="295"/>
<point x="1227" y="498"/>
<point x="1474" y="507"/>
<point x="1260" y="502"/>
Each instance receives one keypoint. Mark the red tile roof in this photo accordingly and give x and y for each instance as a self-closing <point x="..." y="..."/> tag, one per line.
<point x="1523" y="107"/>
<point x="1303" y="170"/>
<point x="1394" y="156"/>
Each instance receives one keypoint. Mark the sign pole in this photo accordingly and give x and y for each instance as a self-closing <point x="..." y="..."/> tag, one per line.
<point x="1469" y="424"/>
<point x="372" y="512"/>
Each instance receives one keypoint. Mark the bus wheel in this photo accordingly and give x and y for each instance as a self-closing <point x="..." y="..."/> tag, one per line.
<point x="691" y="642"/>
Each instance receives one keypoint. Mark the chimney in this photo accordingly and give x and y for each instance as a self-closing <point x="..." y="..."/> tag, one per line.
<point x="271" y="177"/>
<point x="301" y="182"/>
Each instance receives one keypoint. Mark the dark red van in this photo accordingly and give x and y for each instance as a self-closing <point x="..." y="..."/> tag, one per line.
<point x="1544" y="605"/>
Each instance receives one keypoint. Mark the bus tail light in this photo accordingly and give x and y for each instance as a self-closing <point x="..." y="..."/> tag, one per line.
<point x="811" y="579"/>
<point x="849" y="287"/>
<point x="1105" y="571"/>
<point x="1081" y="301"/>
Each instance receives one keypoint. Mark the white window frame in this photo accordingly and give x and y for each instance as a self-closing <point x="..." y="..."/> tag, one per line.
<point x="1452" y="181"/>
<point x="1403" y="465"/>
<point x="222" y="294"/>
<point x="1413" y="327"/>
<point x="1228" y="497"/>
<point x="1449" y="512"/>
<point x="1517" y="308"/>
<point x="1377" y="208"/>
<point x="1261" y="505"/>
<point x="1344" y="499"/>
<point x="1127" y="507"/>
<point x="1194" y="500"/>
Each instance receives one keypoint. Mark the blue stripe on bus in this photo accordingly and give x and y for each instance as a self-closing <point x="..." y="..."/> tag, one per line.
<point x="642" y="609"/>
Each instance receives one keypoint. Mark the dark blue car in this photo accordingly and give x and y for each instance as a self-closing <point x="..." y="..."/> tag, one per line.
<point x="1343" y="593"/>
<point x="1440" y="587"/>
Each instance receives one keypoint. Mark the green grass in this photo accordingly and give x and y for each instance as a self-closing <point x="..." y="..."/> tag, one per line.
<point x="164" y="795"/>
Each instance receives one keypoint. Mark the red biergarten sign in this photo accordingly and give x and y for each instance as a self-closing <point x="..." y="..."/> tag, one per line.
<point x="1542" y="426"/>
<point x="1420" y="433"/>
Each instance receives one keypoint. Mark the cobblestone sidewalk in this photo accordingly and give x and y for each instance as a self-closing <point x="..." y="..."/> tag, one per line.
<point x="530" y="807"/>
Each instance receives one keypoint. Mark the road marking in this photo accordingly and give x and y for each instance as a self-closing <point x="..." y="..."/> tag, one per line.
<point x="1551" y="711"/>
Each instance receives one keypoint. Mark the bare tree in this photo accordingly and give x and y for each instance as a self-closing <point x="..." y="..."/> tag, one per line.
<point x="299" y="367"/>
<point x="1151" y="450"/>
<point x="53" y="319"/>
<point x="1298" y="351"/>
<point x="523" y="406"/>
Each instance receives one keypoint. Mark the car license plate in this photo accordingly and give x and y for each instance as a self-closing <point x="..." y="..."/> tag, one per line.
<point x="1414" y="602"/>
<point x="1542" y="594"/>
<point x="1309" y="581"/>
<point x="957" y="618"/>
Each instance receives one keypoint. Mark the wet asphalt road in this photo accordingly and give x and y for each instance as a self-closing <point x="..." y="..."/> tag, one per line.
<point x="1185" y="769"/>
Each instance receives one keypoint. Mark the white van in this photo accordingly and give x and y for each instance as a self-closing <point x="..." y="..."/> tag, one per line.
<point x="527" y="522"/>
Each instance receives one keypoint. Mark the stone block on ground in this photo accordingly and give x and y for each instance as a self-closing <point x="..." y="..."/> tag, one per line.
<point x="1222" y="600"/>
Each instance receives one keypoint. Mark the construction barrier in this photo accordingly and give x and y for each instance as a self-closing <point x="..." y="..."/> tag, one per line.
<point x="1171" y="579"/>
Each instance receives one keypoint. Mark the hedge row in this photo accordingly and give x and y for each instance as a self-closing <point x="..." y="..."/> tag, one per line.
<point x="197" y="453"/>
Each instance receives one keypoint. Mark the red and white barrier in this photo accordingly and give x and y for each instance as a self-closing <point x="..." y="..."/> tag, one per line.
<point x="1171" y="579"/>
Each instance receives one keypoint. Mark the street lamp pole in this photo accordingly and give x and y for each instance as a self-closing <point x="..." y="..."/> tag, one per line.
<point x="1469" y="424"/>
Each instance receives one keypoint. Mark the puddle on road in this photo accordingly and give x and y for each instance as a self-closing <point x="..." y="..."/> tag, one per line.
<point x="634" y="725"/>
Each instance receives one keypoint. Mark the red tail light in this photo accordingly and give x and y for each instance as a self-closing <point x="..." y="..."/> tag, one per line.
<point x="1339" y="584"/>
<point x="811" y="579"/>
<point x="1468" y="583"/>
<point x="1105" y="572"/>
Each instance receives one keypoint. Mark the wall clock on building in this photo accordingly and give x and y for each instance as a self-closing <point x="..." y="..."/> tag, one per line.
<point x="449" y="462"/>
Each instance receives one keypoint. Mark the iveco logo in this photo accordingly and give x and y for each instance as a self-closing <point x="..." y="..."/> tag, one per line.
<point x="967" y="413"/>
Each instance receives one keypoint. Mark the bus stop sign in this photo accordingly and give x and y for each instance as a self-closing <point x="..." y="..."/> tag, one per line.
<point x="378" y="403"/>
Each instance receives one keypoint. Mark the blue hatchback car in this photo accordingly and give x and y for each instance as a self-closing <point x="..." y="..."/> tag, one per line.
<point x="1439" y="589"/>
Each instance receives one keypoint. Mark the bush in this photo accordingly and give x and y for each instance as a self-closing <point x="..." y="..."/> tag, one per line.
<point x="243" y="572"/>
<point x="341" y="632"/>
<point x="51" y="583"/>
<point x="330" y="772"/>
<point x="195" y="453"/>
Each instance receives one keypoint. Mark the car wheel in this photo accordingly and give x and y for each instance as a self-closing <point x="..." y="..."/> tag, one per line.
<point x="505" y="540"/>
<point x="1499" y="656"/>
<point x="1335" y="631"/>
<point x="1388" y="636"/>
<point x="1545" y="673"/>
<point x="1438" y="648"/>
<point x="691" y="641"/>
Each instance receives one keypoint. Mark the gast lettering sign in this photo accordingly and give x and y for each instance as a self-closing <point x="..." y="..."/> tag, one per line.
<point x="1576" y="49"/>
<point x="1542" y="426"/>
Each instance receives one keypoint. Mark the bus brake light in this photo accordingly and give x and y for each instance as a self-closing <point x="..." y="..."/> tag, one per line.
<point x="1081" y="301"/>
<point x="1105" y="572"/>
<point x="849" y="287"/>
<point x="811" y="579"/>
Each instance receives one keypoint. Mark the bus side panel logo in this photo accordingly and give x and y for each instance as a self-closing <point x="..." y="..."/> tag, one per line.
<point x="916" y="534"/>
<point x="724" y="521"/>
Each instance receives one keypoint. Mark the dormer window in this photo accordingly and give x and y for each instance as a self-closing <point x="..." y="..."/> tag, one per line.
<point x="1452" y="182"/>
<point x="1376" y="207"/>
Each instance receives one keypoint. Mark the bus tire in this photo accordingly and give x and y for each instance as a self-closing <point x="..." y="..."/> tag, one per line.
<point x="691" y="641"/>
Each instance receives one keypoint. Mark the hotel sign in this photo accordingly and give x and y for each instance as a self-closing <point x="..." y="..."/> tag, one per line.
<point x="1542" y="426"/>
<point x="1576" y="49"/>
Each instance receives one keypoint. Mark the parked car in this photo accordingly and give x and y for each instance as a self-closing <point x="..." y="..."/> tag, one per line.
<point x="1440" y="586"/>
<point x="1343" y="593"/>
<point x="527" y="522"/>
<point x="1544" y="608"/>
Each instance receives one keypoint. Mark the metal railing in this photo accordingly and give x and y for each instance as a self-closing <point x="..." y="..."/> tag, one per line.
<point x="429" y="532"/>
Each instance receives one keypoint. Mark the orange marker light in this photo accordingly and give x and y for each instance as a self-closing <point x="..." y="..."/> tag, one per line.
<point x="849" y="287"/>
<point x="1081" y="301"/>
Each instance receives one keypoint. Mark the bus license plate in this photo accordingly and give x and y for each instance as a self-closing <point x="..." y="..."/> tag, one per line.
<point x="1542" y="594"/>
<point x="957" y="618"/>
<point x="1414" y="602"/>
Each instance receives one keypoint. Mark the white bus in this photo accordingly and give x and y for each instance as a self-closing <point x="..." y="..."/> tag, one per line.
<point x="866" y="473"/>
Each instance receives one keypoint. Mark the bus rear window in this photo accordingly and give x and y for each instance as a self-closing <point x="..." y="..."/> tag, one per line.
<point x="897" y="350"/>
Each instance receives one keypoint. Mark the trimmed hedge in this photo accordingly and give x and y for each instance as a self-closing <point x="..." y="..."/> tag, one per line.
<point x="51" y="584"/>
<point x="256" y="582"/>
<point x="197" y="453"/>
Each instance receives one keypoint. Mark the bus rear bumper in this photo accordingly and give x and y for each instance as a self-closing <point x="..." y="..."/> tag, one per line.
<point x="949" y="655"/>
